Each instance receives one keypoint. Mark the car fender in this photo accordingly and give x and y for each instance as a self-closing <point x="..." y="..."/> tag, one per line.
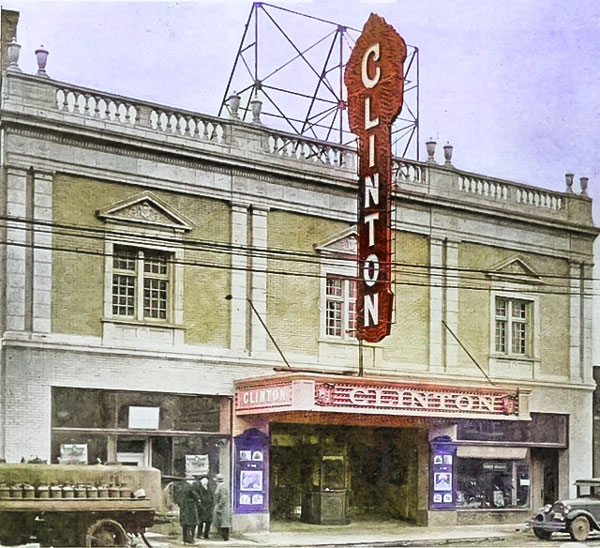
<point x="580" y="512"/>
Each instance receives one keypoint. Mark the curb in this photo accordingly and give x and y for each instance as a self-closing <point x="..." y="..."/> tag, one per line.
<point x="363" y="544"/>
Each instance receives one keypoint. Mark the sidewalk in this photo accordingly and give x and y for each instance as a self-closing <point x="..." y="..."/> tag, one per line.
<point x="360" y="534"/>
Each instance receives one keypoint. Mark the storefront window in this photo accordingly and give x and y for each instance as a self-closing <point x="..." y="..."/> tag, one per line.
<point x="88" y="448"/>
<point x="176" y="433"/>
<point x="492" y="484"/>
<point x="84" y="408"/>
<point x="544" y="428"/>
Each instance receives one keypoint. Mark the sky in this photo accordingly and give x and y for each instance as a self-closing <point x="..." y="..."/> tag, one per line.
<point x="513" y="85"/>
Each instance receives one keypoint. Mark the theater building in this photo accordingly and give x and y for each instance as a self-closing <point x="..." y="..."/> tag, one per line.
<point x="179" y="291"/>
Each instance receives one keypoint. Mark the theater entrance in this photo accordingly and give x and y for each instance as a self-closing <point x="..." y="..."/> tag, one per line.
<point x="332" y="474"/>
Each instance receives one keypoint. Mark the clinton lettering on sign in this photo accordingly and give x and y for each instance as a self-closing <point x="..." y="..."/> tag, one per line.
<point x="374" y="79"/>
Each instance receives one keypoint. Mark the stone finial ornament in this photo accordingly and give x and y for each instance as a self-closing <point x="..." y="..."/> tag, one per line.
<point x="233" y="101"/>
<point x="256" y="106"/>
<point x="584" y="184"/>
<point x="448" y="149"/>
<point x="431" y="144"/>
<point x="13" y="51"/>
<point x="569" y="181"/>
<point x="41" y="55"/>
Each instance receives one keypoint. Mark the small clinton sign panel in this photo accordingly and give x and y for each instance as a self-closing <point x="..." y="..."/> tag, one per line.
<point x="264" y="397"/>
<point x="375" y="83"/>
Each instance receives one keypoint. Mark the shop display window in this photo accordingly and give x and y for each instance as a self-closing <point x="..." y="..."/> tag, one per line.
<point x="95" y="447"/>
<point x="492" y="484"/>
<point x="89" y="408"/>
<point x="544" y="428"/>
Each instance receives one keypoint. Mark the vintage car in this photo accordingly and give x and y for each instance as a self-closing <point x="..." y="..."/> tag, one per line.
<point x="578" y="516"/>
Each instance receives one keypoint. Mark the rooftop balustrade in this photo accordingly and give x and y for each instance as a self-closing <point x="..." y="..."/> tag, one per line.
<point x="43" y="101"/>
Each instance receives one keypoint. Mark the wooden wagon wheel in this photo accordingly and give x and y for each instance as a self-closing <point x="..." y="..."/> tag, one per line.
<point x="106" y="532"/>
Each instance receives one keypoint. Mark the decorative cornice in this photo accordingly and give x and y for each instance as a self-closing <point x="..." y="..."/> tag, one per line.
<point x="269" y="171"/>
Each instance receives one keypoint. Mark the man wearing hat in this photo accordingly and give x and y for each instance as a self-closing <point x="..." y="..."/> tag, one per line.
<point x="205" y="505"/>
<point x="186" y="497"/>
<point x="222" y="513"/>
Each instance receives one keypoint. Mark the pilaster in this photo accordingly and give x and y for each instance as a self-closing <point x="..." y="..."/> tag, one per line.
<point x="451" y="347"/>
<point x="16" y="248"/>
<point x="42" y="252"/>
<point x="258" y="288"/>
<point x="587" y="282"/>
<point x="239" y="278"/>
<point x="575" y="313"/>
<point x="436" y="303"/>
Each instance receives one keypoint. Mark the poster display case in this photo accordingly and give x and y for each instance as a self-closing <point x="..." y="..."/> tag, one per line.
<point x="442" y="494"/>
<point x="251" y="480"/>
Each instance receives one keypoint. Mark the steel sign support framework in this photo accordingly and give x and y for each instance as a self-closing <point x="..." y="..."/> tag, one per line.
<point x="294" y="64"/>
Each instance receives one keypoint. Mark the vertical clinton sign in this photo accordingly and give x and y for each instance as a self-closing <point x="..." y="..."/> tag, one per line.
<point x="375" y="83"/>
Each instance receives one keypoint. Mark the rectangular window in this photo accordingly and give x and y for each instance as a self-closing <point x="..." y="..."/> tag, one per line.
<point x="513" y="326"/>
<point x="492" y="484"/>
<point x="140" y="268"/>
<point x="340" y="307"/>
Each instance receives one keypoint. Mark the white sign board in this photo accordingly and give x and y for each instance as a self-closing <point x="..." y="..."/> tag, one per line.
<point x="73" y="453"/>
<point x="144" y="417"/>
<point x="196" y="464"/>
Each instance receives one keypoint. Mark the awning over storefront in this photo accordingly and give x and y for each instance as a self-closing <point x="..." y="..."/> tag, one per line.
<point x="340" y="394"/>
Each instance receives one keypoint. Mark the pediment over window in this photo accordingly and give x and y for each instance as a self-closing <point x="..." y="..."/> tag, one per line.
<point x="148" y="210"/>
<point x="344" y="243"/>
<point x="515" y="270"/>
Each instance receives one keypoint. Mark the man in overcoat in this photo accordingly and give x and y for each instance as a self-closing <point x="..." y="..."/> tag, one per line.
<point x="186" y="497"/>
<point x="222" y="513"/>
<point x="206" y="506"/>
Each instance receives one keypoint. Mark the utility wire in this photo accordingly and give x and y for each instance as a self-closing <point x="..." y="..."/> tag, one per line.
<point x="100" y="234"/>
<point x="538" y="290"/>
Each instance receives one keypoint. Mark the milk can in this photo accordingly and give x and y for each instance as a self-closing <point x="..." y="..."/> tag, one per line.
<point x="4" y="491"/>
<point x="125" y="491"/>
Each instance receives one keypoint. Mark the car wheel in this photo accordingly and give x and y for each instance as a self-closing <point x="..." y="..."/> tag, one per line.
<point x="542" y="534"/>
<point x="579" y="528"/>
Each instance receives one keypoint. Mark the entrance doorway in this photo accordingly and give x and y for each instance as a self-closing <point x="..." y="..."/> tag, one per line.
<point x="373" y="472"/>
<point x="134" y="451"/>
<point x="549" y="460"/>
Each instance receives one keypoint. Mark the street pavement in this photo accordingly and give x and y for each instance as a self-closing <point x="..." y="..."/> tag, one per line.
<point x="364" y="535"/>
<point x="381" y="534"/>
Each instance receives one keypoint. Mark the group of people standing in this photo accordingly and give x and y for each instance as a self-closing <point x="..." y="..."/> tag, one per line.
<point x="200" y="506"/>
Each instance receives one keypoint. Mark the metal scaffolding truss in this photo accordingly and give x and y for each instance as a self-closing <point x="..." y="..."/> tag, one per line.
<point x="294" y="64"/>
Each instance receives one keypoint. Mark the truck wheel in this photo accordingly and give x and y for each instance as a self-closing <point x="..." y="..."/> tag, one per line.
<point x="106" y="532"/>
<point x="542" y="534"/>
<point x="579" y="528"/>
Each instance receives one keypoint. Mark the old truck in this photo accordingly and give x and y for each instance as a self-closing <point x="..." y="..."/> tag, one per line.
<point x="77" y="505"/>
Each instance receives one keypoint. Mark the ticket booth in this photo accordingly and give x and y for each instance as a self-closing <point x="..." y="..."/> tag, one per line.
<point x="327" y="502"/>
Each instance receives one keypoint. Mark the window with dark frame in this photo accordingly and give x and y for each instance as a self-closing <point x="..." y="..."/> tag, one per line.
<point x="145" y="269"/>
<point x="340" y="307"/>
<point x="513" y="326"/>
